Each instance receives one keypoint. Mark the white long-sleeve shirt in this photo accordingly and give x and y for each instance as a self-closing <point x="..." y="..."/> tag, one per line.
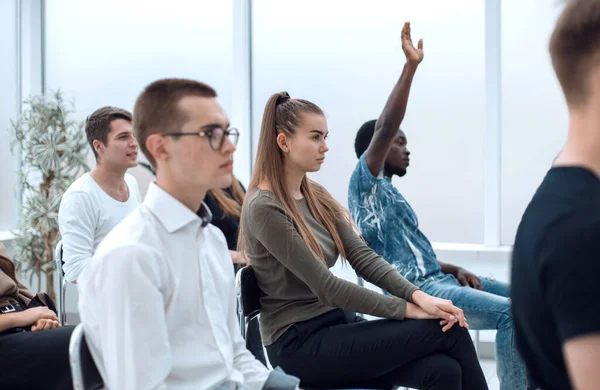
<point x="85" y="217"/>
<point x="157" y="302"/>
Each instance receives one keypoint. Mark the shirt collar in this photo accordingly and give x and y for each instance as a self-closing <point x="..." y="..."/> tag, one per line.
<point x="170" y="212"/>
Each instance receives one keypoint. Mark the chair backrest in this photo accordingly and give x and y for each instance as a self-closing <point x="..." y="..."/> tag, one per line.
<point x="250" y="291"/>
<point x="83" y="369"/>
<point x="58" y="254"/>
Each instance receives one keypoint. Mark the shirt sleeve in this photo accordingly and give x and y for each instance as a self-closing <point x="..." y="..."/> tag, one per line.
<point x="569" y="277"/>
<point x="77" y="224"/>
<point x="366" y="207"/>
<point x="372" y="267"/>
<point x="133" y="335"/>
<point x="277" y="233"/>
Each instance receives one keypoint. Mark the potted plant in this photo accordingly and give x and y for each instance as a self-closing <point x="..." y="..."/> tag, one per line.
<point x="52" y="148"/>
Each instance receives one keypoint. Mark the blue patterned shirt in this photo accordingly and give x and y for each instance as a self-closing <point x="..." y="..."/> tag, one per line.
<point x="390" y="226"/>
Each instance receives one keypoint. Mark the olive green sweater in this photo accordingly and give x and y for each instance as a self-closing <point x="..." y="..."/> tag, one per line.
<point x="297" y="285"/>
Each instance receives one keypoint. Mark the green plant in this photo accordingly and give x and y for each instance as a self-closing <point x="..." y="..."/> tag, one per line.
<point x="52" y="147"/>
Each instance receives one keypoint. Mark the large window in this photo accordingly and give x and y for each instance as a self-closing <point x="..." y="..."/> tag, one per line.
<point x="534" y="115"/>
<point x="346" y="57"/>
<point x="105" y="52"/>
<point x="9" y="109"/>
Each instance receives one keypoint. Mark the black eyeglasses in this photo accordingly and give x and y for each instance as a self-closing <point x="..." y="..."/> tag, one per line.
<point x="216" y="136"/>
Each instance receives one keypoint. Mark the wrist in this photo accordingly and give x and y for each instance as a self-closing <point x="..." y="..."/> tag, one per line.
<point x="418" y="296"/>
<point x="411" y="65"/>
<point x="16" y="320"/>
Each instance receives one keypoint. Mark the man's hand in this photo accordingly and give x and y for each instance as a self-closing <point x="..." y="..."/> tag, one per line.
<point x="238" y="258"/>
<point x="45" y="324"/>
<point x="413" y="56"/>
<point x="466" y="278"/>
<point x="440" y="308"/>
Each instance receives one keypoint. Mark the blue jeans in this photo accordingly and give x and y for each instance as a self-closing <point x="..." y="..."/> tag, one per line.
<point x="485" y="310"/>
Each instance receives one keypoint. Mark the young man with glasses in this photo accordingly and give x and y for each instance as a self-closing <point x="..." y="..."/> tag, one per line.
<point x="157" y="301"/>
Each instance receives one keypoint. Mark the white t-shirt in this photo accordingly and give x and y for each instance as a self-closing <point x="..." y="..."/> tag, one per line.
<point x="85" y="217"/>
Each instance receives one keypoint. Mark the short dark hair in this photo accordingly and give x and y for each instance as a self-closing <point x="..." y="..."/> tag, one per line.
<point x="156" y="109"/>
<point x="364" y="137"/>
<point x="575" y="48"/>
<point x="97" y="125"/>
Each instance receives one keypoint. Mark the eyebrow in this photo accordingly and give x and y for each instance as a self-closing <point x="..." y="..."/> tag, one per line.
<point x="123" y="133"/>
<point x="214" y="126"/>
<point x="320" y="132"/>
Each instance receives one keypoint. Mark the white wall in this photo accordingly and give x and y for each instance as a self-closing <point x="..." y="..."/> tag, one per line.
<point x="9" y="109"/>
<point x="534" y="115"/>
<point x="106" y="52"/>
<point x="346" y="56"/>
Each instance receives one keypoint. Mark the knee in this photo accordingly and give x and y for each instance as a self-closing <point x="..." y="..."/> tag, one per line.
<point x="460" y="334"/>
<point x="505" y="320"/>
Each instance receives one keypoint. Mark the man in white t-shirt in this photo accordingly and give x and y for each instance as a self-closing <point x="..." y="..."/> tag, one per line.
<point x="97" y="201"/>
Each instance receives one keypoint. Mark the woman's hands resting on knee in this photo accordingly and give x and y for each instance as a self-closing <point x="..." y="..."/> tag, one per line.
<point x="427" y="307"/>
<point x="39" y="318"/>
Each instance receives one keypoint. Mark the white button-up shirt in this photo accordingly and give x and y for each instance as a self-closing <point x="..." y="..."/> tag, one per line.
<point x="157" y="303"/>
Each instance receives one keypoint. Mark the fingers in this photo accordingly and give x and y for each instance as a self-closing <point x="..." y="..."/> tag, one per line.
<point x="460" y="315"/>
<point x="477" y="284"/>
<point x="462" y="279"/>
<point x="457" y="313"/>
<point x="45" y="324"/>
<point x="446" y="325"/>
<point x="405" y="30"/>
<point x="49" y="316"/>
<point x="420" y="44"/>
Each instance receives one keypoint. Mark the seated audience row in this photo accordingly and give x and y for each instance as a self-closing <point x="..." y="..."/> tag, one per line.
<point x="157" y="295"/>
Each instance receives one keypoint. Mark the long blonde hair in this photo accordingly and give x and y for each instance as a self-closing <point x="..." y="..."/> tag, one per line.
<point x="232" y="207"/>
<point x="283" y="115"/>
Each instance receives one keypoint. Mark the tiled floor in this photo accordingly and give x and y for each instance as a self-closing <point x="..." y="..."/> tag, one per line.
<point x="489" y="369"/>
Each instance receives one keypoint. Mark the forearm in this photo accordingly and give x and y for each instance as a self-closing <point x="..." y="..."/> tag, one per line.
<point x="395" y="107"/>
<point x="372" y="267"/>
<point x="448" y="268"/>
<point x="10" y="320"/>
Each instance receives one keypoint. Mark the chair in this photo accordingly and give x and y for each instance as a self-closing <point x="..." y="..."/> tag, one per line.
<point x="62" y="284"/>
<point x="248" y="294"/>
<point x="83" y="369"/>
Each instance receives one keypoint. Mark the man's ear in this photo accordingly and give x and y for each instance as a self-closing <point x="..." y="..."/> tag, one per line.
<point x="98" y="145"/>
<point x="158" y="147"/>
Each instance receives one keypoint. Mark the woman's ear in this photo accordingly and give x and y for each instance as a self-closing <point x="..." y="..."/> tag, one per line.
<point x="283" y="142"/>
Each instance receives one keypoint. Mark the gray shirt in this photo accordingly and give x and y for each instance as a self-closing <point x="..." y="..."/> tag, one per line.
<point x="297" y="285"/>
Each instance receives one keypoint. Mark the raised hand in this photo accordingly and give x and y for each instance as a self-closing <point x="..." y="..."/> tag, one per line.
<point x="414" y="56"/>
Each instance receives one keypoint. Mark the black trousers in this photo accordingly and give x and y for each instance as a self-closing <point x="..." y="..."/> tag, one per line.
<point x="36" y="360"/>
<point x="341" y="350"/>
